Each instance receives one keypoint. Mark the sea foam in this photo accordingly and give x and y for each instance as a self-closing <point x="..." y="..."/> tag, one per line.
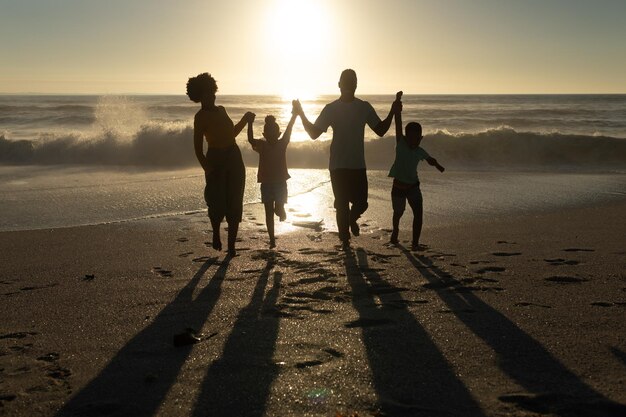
<point x="166" y="146"/>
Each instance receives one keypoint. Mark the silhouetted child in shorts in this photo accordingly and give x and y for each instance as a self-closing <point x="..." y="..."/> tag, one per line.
<point x="406" y="185"/>
<point x="272" y="172"/>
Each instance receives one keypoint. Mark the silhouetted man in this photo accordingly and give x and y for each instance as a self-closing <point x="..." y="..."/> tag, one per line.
<point x="347" y="116"/>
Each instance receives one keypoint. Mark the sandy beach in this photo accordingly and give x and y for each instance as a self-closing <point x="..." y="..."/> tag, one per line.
<point x="519" y="316"/>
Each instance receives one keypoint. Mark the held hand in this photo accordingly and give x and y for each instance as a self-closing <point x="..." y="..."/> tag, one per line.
<point x="297" y="107"/>
<point x="249" y="117"/>
<point x="396" y="106"/>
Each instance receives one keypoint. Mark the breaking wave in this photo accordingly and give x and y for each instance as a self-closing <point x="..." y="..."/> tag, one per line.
<point x="172" y="146"/>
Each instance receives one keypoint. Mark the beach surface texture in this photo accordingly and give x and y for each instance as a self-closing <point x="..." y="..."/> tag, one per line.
<point x="520" y="314"/>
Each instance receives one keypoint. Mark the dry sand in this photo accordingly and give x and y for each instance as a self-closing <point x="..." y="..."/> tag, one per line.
<point x="517" y="317"/>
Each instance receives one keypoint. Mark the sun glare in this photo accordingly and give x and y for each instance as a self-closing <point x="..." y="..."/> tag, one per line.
<point x="298" y="35"/>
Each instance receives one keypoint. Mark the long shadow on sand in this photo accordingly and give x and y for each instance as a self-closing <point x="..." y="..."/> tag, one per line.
<point x="136" y="380"/>
<point x="553" y="388"/>
<point x="411" y="375"/>
<point x="238" y="384"/>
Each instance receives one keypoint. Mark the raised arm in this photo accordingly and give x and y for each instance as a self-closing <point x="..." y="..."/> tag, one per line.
<point x="398" y="116"/>
<point x="294" y="115"/>
<point x="198" y="142"/>
<point x="250" y="132"/>
<point x="381" y="128"/>
<point x="309" y="127"/>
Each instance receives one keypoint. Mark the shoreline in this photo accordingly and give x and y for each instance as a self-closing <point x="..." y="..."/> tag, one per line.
<point x="45" y="201"/>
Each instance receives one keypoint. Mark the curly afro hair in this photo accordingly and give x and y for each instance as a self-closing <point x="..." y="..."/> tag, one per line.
<point x="199" y="85"/>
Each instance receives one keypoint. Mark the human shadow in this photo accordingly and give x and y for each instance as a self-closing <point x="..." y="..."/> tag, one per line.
<point x="553" y="388"/>
<point x="239" y="383"/>
<point x="137" y="379"/>
<point x="411" y="376"/>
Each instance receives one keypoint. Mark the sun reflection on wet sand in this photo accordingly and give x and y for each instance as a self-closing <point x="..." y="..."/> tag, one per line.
<point x="312" y="208"/>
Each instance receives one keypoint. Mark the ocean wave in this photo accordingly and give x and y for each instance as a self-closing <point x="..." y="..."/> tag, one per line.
<point x="162" y="146"/>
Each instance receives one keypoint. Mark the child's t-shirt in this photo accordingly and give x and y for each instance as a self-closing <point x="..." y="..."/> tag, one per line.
<point x="272" y="160"/>
<point x="404" y="167"/>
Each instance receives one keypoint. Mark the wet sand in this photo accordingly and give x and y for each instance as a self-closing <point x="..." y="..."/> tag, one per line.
<point x="520" y="316"/>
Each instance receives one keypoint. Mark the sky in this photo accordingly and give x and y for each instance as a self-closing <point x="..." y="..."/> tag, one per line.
<point x="299" y="47"/>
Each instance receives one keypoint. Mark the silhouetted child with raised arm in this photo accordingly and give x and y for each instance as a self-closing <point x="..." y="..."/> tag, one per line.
<point x="406" y="185"/>
<point x="272" y="172"/>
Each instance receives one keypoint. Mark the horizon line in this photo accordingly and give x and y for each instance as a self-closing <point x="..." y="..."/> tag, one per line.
<point x="35" y="93"/>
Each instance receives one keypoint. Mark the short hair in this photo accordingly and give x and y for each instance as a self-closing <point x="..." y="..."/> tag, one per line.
<point x="348" y="75"/>
<point x="414" y="127"/>
<point x="270" y="122"/>
<point x="199" y="85"/>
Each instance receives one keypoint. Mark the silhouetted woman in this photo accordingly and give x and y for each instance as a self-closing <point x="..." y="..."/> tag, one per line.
<point x="223" y="166"/>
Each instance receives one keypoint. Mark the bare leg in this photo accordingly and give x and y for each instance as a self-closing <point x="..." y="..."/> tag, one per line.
<point x="269" y="222"/>
<point x="279" y="209"/>
<point x="217" y="242"/>
<point x="396" y="227"/>
<point x="233" y="228"/>
<point x="417" y="207"/>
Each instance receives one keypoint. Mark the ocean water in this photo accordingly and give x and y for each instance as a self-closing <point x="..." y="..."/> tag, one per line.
<point x="73" y="160"/>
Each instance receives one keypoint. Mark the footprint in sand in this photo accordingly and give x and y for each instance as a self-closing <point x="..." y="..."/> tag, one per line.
<point x="506" y="253"/>
<point x="7" y="398"/>
<point x="504" y="242"/>
<point x="527" y="304"/>
<point x="578" y="250"/>
<point x="50" y="357"/>
<point x="202" y="259"/>
<point x="602" y="304"/>
<point x="561" y="261"/>
<point x="163" y="272"/>
<point x="479" y="262"/>
<point x="182" y="239"/>
<point x="309" y="224"/>
<point x="563" y="279"/>
<point x="252" y="271"/>
<point x="18" y="335"/>
<point x="312" y="355"/>
<point x="185" y="254"/>
<point x="309" y="280"/>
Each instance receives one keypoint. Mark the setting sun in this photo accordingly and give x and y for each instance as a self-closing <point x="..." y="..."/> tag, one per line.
<point x="298" y="37"/>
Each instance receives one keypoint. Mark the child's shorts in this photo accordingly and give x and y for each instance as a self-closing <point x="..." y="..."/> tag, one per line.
<point x="274" y="192"/>
<point x="399" y="197"/>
